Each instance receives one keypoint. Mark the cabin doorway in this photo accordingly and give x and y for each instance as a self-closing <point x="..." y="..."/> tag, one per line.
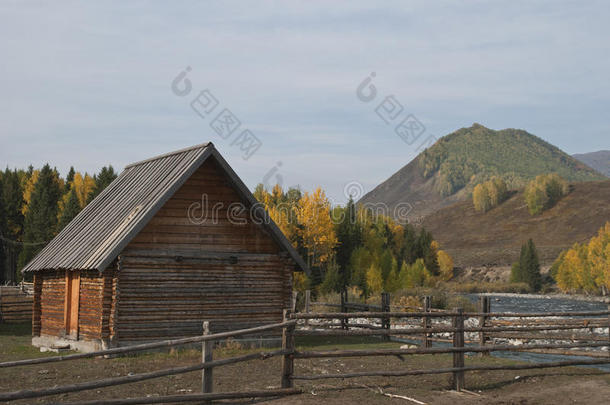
<point x="71" y="304"/>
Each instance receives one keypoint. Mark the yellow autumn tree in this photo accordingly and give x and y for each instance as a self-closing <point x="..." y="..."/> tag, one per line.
<point x="445" y="263"/>
<point x="586" y="266"/>
<point x="316" y="230"/>
<point x="481" y="198"/>
<point x="598" y="254"/>
<point x="83" y="185"/>
<point x="300" y="282"/>
<point x="374" y="279"/>
<point x="280" y="211"/>
<point x="28" y="188"/>
<point x="398" y="235"/>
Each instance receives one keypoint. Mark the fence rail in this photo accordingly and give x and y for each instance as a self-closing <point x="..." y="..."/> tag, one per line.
<point x="206" y="366"/>
<point x="16" y="303"/>
<point x="491" y="325"/>
<point x="149" y="346"/>
<point x="423" y="326"/>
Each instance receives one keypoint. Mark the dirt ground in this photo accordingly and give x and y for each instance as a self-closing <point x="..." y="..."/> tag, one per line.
<point x="552" y="386"/>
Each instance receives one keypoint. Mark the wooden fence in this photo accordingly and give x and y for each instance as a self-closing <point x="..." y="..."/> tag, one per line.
<point x="570" y="326"/>
<point x="16" y="303"/>
<point x="206" y="366"/>
<point x="569" y="330"/>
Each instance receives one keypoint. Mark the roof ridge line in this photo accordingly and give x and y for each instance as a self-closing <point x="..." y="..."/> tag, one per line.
<point x="201" y="145"/>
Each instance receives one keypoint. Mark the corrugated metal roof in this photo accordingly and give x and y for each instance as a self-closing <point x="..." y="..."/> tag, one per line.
<point x="98" y="234"/>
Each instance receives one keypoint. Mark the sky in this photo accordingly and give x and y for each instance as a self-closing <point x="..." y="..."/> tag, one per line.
<point x="87" y="84"/>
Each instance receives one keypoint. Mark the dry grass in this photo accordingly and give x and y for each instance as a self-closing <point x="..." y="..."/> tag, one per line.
<point x="495" y="237"/>
<point x="583" y="385"/>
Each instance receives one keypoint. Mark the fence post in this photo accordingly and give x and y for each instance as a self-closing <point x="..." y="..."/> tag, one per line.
<point x="484" y="307"/>
<point x="385" y="307"/>
<point x="307" y="301"/>
<point x="427" y="305"/>
<point x="207" y="347"/>
<point x="458" y="341"/>
<point x="0" y="303"/>
<point x="608" y="331"/>
<point x="287" y="359"/>
<point x="344" y="321"/>
<point x="295" y="295"/>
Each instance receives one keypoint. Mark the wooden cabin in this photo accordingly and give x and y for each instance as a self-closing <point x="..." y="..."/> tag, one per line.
<point x="175" y="240"/>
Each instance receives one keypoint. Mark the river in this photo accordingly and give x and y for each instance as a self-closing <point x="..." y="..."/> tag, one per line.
<point x="528" y="304"/>
<point x="540" y="303"/>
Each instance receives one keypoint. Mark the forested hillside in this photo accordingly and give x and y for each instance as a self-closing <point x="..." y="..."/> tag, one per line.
<point x="35" y="204"/>
<point x="449" y="170"/>
<point x="494" y="237"/>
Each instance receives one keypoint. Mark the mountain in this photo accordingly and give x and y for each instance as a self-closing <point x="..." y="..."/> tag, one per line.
<point x="447" y="172"/>
<point x="599" y="160"/>
<point x="495" y="237"/>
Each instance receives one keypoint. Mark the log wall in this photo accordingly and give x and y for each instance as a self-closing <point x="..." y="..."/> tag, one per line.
<point x="49" y="304"/>
<point x="90" y="305"/>
<point x="52" y="295"/>
<point x="108" y="303"/>
<point x="179" y="271"/>
<point x="36" y="307"/>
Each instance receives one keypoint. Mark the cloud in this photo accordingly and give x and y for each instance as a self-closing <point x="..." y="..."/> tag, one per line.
<point x="88" y="83"/>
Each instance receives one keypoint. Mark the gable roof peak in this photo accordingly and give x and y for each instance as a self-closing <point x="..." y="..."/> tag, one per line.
<point x="100" y="232"/>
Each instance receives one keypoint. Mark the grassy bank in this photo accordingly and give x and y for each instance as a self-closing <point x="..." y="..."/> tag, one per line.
<point x="445" y="295"/>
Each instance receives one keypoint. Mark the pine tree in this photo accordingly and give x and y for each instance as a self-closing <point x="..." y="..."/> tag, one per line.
<point x="409" y="251"/>
<point x="102" y="180"/>
<point x="349" y="235"/>
<point x="385" y="264"/>
<point x="69" y="179"/>
<point x="360" y="261"/>
<point x="403" y="275"/>
<point x="527" y="270"/>
<point x="428" y="252"/>
<point x="532" y="266"/>
<point x="40" y="221"/>
<point x="12" y="194"/>
<point x="392" y="283"/>
<point x="332" y="280"/>
<point x="71" y="209"/>
<point x="3" y="240"/>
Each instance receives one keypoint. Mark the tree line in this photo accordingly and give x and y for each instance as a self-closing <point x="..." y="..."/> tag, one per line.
<point x="35" y="204"/>
<point x="352" y="246"/>
<point x="343" y="245"/>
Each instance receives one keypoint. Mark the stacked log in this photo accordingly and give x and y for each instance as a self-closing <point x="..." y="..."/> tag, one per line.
<point x="52" y="296"/>
<point x="16" y="303"/>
